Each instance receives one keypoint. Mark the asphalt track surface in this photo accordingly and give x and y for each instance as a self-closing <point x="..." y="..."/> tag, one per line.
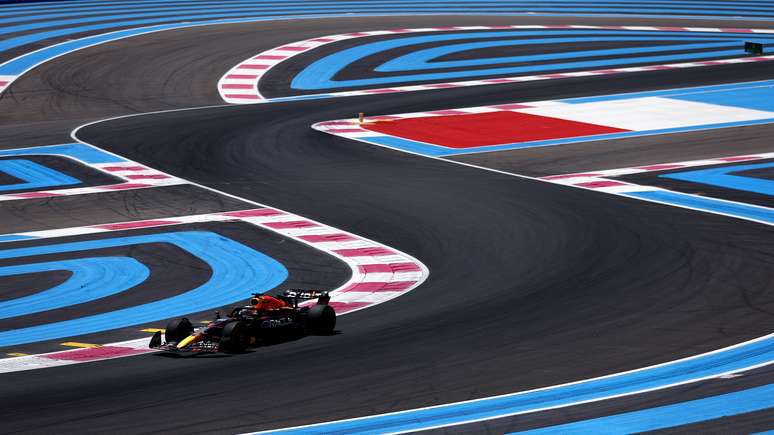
<point x="531" y="284"/>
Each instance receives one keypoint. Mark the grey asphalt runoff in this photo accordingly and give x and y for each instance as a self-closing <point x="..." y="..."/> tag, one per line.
<point x="531" y="284"/>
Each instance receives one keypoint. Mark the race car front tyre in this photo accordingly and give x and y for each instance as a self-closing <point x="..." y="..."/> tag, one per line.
<point x="234" y="339"/>
<point x="322" y="319"/>
<point x="177" y="330"/>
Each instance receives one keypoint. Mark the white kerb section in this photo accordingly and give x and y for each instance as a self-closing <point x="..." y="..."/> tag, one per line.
<point x="648" y="113"/>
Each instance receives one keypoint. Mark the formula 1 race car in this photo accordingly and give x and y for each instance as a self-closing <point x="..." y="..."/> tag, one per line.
<point x="266" y="319"/>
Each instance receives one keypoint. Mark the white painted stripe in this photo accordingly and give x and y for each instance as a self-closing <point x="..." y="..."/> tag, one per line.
<point x="648" y="113"/>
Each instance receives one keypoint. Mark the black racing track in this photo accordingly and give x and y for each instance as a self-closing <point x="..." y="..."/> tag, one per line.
<point x="531" y="284"/>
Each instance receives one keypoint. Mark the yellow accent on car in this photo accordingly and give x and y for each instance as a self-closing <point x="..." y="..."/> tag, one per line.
<point x="82" y="345"/>
<point x="186" y="341"/>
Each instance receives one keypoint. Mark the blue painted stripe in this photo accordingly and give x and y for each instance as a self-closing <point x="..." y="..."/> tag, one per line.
<point x="91" y="6"/>
<point x="237" y="270"/>
<point x="758" y="98"/>
<point x="20" y="64"/>
<point x="712" y="205"/>
<point x="423" y="59"/>
<point x="409" y="145"/>
<point x="727" y="360"/>
<point x="321" y="73"/>
<point x="78" y="151"/>
<point x="672" y="93"/>
<point x="33" y="176"/>
<point x="662" y="417"/>
<point x="91" y="278"/>
<point x="123" y="20"/>
<point x="18" y="41"/>
<point x="302" y="97"/>
<point x="80" y="4"/>
<point x="624" y="8"/>
<point x="160" y="9"/>
<point x="721" y="177"/>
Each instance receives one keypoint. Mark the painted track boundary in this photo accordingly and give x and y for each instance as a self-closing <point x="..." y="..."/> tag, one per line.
<point x="134" y="175"/>
<point x="379" y="273"/>
<point x="240" y="85"/>
<point x="737" y="358"/>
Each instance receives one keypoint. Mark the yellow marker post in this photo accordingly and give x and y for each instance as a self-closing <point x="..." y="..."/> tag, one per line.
<point x="361" y="117"/>
<point x="81" y="345"/>
<point x="17" y="354"/>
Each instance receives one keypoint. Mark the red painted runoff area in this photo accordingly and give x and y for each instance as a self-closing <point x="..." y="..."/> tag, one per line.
<point x="481" y="129"/>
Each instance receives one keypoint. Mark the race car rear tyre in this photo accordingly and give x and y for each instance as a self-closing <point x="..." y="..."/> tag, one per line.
<point x="322" y="319"/>
<point x="234" y="339"/>
<point x="177" y="330"/>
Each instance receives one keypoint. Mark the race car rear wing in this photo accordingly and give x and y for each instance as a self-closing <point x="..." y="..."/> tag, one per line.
<point x="293" y="296"/>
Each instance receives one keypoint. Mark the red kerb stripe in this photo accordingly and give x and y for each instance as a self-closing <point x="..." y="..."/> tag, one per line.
<point x="236" y="86"/>
<point x="246" y="66"/>
<point x="123" y="168"/>
<point x="291" y="224"/>
<point x="559" y="177"/>
<point x="661" y="167"/>
<point x="363" y="252"/>
<point x="123" y="186"/>
<point x="388" y="268"/>
<point x="320" y="238"/>
<point x="345" y="130"/>
<point x="148" y="176"/>
<point x="95" y="354"/>
<point x="136" y="224"/>
<point x="293" y="48"/>
<point x="35" y="194"/>
<point x="598" y="184"/>
<point x="245" y="96"/>
<point x="254" y="212"/>
<point x="242" y="76"/>
<point x="738" y="158"/>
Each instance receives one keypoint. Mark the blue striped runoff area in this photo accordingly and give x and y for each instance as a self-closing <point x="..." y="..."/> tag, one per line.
<point x="78" y="151"/>
<point x="90" y="279"/>
<point x="236" y="270"/>
<point x="744" y="356"/>
<point x="320" y="74"/>
<point x="33" y="176"/>
<point x="663" y="417"/>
